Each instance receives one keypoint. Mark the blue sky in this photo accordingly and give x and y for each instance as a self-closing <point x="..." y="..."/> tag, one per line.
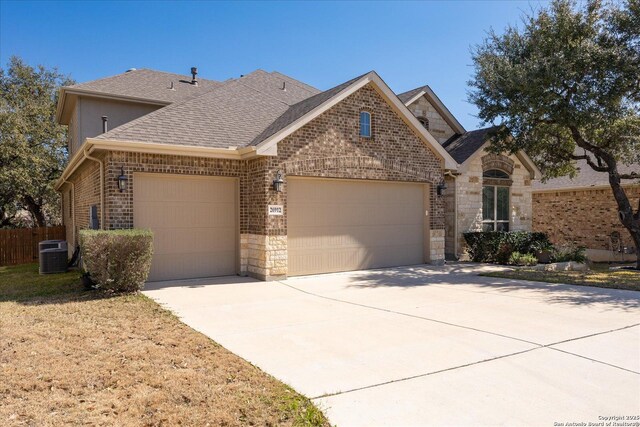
<point x="321" y="43"/>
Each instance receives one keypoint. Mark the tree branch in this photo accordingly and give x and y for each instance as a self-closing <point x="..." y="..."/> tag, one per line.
<point x="632" y="175"/>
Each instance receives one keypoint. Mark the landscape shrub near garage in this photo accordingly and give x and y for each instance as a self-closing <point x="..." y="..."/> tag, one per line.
<point x="497" y="246"/>
<point x="117" y="260"/>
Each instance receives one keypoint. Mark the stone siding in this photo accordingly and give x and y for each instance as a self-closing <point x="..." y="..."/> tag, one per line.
<point x="582" y="217"/>
<point x="468" y="193"/>
<point x="438" y="126"/>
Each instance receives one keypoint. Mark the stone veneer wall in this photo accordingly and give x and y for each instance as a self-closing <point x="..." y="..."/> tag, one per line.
<point x="582" y="217"/>
<point x="438" y="127"/>
<point x="468" y="190"/>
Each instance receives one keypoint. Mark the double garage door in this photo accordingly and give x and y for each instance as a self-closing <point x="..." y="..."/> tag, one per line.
<point x="333" y="225"/>
<point x="342" y="225"/>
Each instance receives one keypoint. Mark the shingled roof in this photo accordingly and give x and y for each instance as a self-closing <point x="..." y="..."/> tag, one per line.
<point x="149" y="85"/>
<point x="408" y="95"/>
<point x="298" y="110"/>
<point x="461" y="147"/>
<point x="233" y="114"/>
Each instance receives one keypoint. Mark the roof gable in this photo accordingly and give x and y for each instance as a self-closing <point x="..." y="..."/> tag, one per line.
<point x="467" y="146"/>
<point x="412" y="95"/>
<point x="299" y="115"/>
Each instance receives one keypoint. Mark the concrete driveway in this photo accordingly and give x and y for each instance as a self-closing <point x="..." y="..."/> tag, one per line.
<point x="429" y="345"/>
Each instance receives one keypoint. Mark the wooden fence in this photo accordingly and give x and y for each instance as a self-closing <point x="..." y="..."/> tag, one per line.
<point x="20" y="245"/>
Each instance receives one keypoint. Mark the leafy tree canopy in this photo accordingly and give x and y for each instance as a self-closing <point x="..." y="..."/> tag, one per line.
<point x="565" y="85"/>
<point x="33" y="148"/>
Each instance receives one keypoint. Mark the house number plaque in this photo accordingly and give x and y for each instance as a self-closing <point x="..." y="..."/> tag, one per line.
<point x="276" y="210"/>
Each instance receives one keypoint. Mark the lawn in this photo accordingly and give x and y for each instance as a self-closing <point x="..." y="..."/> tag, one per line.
<point x="69" y="356"/>
<point x="600" y="277"/>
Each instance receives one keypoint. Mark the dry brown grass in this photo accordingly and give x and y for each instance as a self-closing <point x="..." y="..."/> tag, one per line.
<point x="73" y="357"/>
<point x="601" y="278"/>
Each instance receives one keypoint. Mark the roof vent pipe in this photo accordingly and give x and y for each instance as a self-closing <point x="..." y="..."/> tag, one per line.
<point x="284" y="86"/>
<point x="194" y="73"/>
<point x="104" y="124"/>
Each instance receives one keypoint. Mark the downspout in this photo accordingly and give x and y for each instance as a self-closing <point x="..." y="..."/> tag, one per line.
<point x="87" y="156"/>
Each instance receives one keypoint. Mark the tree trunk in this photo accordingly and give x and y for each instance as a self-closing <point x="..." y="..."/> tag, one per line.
<point x="630" y="220"/>
<point x="35" y="210"/>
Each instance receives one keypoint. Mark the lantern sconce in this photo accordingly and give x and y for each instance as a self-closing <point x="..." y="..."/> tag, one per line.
<point x="122" y="180"/>
<point x="440" y="188"/>
<point x="278" y="183"/>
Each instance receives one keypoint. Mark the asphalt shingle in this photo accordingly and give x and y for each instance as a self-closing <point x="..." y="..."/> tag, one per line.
<point x="231" y="115"/>
<point x="461" y="147"/>
<point x="149" y="84"/>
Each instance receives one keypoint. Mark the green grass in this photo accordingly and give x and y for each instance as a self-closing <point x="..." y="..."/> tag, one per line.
<point x="24" y="282"/>
<point x="599" y="277"/>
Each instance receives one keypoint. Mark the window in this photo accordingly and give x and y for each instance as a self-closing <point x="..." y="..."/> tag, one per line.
<point x="424" y="122"/>
<point x="365" y="124"/>
<point x="495" y="201"/>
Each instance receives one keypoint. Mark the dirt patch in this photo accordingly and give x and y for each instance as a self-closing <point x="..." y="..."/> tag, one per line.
<point x="74" y="357"/>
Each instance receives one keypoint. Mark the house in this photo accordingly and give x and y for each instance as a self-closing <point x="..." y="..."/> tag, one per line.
<point x="266" y="176"/>
<point x="488" y="192"/>
<point x="582" y="211"/>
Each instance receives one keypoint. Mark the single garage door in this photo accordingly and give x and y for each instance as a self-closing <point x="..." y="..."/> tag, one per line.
<point x="194" y="220"/>
<point x="342" y="225"/>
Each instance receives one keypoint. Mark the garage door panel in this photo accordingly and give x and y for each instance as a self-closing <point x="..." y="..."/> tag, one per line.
<point x="340" y="225"/>
<point x="194" y="220"/>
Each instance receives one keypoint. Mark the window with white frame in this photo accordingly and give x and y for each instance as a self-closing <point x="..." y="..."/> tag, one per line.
<point x="365" y="124"/>
<point x="495" y="200"/>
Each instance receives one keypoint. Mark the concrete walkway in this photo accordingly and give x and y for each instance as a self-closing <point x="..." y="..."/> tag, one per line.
<point x="429" y="345"/>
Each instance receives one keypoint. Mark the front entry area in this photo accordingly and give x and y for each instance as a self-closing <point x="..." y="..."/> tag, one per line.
<point x="343" y="225"/>
<point x="195" y="224"/>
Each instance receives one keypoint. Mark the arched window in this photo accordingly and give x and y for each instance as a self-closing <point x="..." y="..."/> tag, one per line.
<point x="424" y="122"/>
<point x="495" y="200"/>
<point x="365" y="124"/>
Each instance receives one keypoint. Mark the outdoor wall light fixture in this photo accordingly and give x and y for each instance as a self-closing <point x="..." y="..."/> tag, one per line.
<point x="122" y="180"/>
<point x="440" y="189"/>
<point x="278" y="183"/>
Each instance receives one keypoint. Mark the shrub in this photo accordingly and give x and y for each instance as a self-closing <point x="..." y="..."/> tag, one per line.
<point x="569" y="253"/>
<point x="517" y="258"/>
<point x="497" y="246"/>
<point x="117" y="260"/>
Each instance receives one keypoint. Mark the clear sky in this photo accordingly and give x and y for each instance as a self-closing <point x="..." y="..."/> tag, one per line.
<point x="321" y="43"/>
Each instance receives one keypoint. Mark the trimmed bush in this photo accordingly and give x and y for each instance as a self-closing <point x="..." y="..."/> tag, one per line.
<point x="497" y="246"/>
<point x="117" y="260"/>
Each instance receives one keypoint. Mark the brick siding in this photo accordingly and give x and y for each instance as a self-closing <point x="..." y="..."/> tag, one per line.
<point x="583" y="217"/>
<point x="329" y="146"/>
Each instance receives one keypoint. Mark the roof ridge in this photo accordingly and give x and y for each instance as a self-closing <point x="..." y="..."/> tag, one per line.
<point x="296" y="82"/>
<point x="262" y="92"/>
<point x="137" y="70"/>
